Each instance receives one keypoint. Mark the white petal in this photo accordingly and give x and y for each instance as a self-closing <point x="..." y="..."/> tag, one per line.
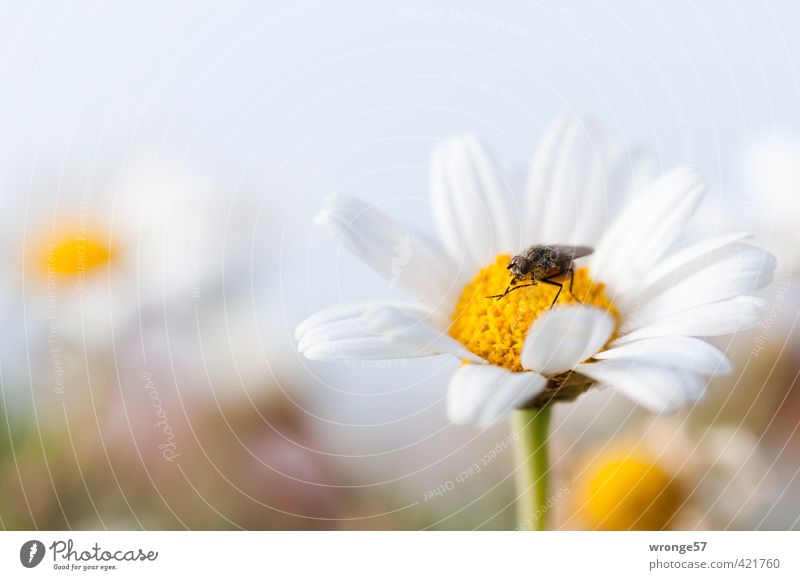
<point x="678" y="352"/>
<point x="563" y="337"/>
<point x="357" y="320"/>
<point x="646" y="228"/>
<point x="630" y="172"/>
<point x="662" y="390"/>
<point x="376" y="331"/>
<point x="341" y="312"/>
<point x="551" y="193"/>
<point x="734" y="270"/>
<point x="578" y="179"/>
<point x="708" y="320"/>
<point x="637" y="171"/>
<point x="404" y="257"/>
<point x="673" y="268"/>
<point x="473" y="204"/>
<point x="674" y="263"/>
<point x="484" y="394"/>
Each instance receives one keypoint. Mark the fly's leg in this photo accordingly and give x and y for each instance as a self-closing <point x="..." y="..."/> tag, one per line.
<point x="509" y="290"/>
<point x="551" y="281"/>
<point x="554" y="283"/>
<point x="499" y="296"/>
<point x="571" y="273"/>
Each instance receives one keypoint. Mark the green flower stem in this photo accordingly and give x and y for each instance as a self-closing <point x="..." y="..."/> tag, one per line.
<point x="532" y="427"/>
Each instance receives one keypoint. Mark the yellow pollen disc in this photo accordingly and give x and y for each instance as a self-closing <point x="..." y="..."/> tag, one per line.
<point x="75" y="256"/>
<point x="495" y="329"/>
<point x="629" y="493"/>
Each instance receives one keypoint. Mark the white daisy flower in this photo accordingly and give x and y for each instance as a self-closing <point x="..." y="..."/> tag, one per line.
<point x="771" y="166"/>
<point x="661" y="474"/>
<point x="769" y="205"/>
<point x="630" y="322"/>
<point x="82" y="263"/>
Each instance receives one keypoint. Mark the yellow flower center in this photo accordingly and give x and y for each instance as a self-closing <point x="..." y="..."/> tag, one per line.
<point x="629" y="493"/>
<point x="75" y="256"/>
<point x="495" y="329"/>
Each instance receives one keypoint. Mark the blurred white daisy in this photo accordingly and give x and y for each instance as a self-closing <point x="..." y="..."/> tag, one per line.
<point x="68" y="276"/>
<point x="662" y="475"/>
<point x="771" y="166"/>
<point x="638" y="304"/>
<point x="90" y="265"/>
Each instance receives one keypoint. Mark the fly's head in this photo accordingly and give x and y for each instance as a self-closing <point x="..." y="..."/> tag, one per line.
<point x="520" y="266"/>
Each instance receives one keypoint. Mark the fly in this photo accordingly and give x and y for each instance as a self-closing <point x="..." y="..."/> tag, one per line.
<point x="544" y="263"/>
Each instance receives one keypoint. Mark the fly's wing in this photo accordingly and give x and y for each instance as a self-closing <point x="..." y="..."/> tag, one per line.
<point x="570" y="253"/>
<point x="566" y="254"/>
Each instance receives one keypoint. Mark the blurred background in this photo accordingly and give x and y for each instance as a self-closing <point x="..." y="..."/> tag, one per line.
<point x="160" y="168"/>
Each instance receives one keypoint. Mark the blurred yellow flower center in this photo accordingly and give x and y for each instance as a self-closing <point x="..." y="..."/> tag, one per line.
<point x="495" y="329"/>
<point x="74" y="256"/>
<point x="629" y="493"/>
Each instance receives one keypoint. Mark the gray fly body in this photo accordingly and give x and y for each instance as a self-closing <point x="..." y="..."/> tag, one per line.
<point x="542" y="263"/>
